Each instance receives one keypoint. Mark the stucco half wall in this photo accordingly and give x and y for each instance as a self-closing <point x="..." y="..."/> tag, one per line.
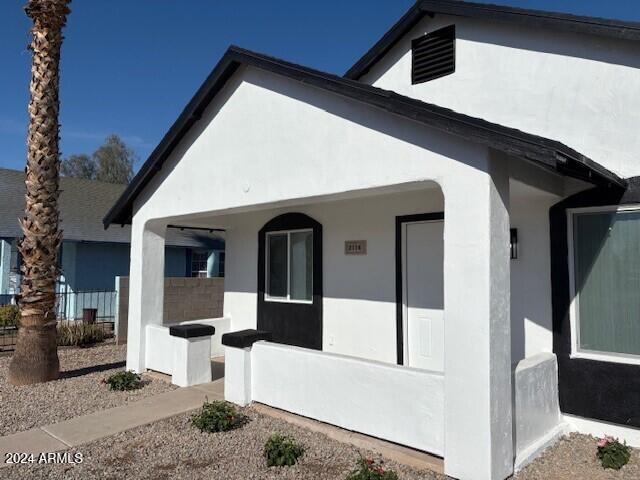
<point x="400" y="404"/>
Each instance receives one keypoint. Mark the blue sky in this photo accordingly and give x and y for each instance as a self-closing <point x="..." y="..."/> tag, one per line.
<point x="130" y="66"/>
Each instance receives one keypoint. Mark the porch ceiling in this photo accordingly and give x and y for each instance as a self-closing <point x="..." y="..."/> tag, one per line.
<point x="220" y="220"/>
<point x="541" y="151"/>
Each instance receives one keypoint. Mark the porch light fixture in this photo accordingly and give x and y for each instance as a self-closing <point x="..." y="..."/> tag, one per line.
<point x="513" y="241"/>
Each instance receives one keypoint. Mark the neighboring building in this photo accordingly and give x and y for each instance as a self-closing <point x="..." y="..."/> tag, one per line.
<point x="406" y="245"/>
<point x="92" y="256"/>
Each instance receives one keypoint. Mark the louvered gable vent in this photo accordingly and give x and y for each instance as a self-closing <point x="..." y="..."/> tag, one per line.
<point x="433" y="55"/>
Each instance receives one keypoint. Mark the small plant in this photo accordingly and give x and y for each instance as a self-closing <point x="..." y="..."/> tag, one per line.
<point x="369" y="469"/>
<point x="282" y="450"/>
<point x="612" y="453"/>
<point x="9" y="316"/>
<point x="124" y="381"/>
<point x="217" y="416"/>
<point x="78" y="334"/>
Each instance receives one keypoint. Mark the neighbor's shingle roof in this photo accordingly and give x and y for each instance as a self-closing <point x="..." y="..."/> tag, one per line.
<point x="83" y="204"/>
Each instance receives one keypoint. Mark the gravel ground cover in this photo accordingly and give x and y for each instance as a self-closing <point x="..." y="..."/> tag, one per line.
<point x="174" y="449"/>
<point x="574" y="458"/>
<point x="79" y="390"/>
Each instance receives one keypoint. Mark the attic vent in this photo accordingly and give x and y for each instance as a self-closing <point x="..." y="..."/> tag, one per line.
<point x="433" y="55"/>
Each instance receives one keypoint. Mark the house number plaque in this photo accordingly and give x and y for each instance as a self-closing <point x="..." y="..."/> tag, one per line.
<point x="355" y="247"/>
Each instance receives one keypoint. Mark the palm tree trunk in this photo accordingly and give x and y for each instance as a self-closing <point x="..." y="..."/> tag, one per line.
<point x="36" y="357"/>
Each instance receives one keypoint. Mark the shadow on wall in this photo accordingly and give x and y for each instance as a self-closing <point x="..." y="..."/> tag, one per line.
<point x="599" y="49"/>
<point x="515" y="36"/>
<point x="369" y="277"/>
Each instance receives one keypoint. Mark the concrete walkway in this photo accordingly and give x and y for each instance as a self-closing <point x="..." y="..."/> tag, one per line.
<point x="104" y="423"/>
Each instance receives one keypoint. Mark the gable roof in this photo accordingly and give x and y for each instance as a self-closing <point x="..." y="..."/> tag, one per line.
<point x="623" y="30"/>
<point x="82" y="205"/>
<point x="542" y="151"/>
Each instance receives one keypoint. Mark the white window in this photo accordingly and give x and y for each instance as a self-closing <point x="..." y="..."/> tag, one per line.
<point x="221" y="260"/>
<point x="199" y="263"/>
<point x="289" y="269"/>
<point x="604" y="265"/>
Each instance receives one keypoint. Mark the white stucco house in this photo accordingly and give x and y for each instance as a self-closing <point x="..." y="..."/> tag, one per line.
<point x="438" y="248"/>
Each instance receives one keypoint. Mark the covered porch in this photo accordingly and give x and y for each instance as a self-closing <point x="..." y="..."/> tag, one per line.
<point x="412" y="341"/>
<point x="354" y="343"/>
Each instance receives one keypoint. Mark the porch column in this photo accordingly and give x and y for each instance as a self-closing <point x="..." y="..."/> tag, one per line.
<point x="478" y="432"/>
<point x="146" y="288"/>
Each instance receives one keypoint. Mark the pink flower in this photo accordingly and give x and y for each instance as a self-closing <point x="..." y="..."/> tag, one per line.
<point x="602" y="442"/>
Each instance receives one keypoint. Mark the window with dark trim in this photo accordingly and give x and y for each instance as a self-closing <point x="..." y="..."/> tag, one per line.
<point x="16" y="257"/>
<point x="199" y="263"/>
<point x="221" y="260"/>
<point x="290" y="280"/>
<point x="289" y="268"/>
<point x="603" y="270"/>
<point x="433" y="55"/>
<point x="600" y="387"/>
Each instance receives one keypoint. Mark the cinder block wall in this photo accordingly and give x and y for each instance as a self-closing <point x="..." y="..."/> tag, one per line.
<point x="184" y="299"/>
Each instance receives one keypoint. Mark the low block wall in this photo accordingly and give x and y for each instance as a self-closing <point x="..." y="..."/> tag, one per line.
<point x="398" y="404"/>
<point x="159" y="348"/>
<point x="185" y="299"/>
<point x="538" y="422"/>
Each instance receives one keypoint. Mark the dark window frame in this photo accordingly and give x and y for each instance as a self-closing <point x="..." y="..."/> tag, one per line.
<point x="292" y="323"/>
<point x="602" y="390"/>
<point x="194" y="260"/>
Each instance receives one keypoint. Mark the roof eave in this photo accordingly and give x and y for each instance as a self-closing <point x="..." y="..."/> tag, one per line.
<point x="190" y="115"/>
<point x="535" y="18"/>
<point x="533" y="148"/>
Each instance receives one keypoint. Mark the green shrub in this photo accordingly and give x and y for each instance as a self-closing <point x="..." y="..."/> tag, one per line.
<point x="369" y="469"/>
<point x="9" y="316"/>
<point x="124" y="381"/>
<point x="282" y="450"/>
<point x="217" y="416"/>
<point x="78" y="334"/>
<point x="612" y="453"/>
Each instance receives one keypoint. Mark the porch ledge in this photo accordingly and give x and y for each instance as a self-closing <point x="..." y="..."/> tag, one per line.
<point x="244" y="338"/>
<point x="192" y="330"/>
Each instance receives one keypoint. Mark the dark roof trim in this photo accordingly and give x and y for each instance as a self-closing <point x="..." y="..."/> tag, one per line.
<point x="545" y="152"/>
<point x="532" y="18"/>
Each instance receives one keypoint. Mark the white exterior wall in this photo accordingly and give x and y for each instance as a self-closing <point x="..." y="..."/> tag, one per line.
<point x="531" y="320"/>
<point x="359" y="304"/>
<point x="277" y="142"/>
<point x="301" y="144"/>
<point x="359" y="309"/>
<point x="581" y="90"/>
<point x="403" y="405"/>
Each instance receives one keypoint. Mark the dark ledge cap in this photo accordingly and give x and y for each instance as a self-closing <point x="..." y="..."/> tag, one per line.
<point x="244" y="338"/>
<point x="191" y="330"/>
